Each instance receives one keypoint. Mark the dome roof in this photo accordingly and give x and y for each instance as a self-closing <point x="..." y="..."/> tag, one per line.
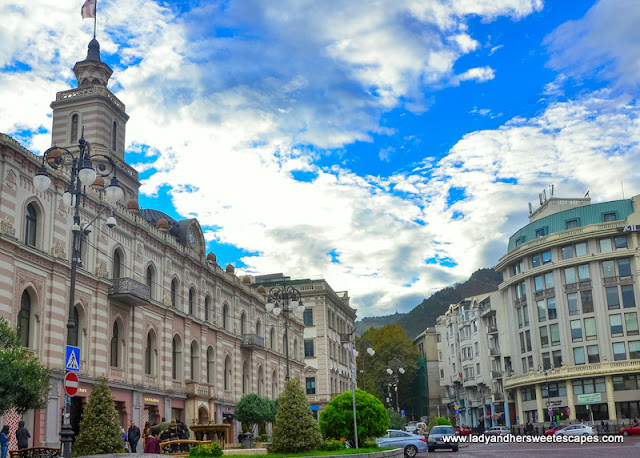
<point x="98" y="183"/>
<point x="132" y="206"/>
<point x="261" y="289"/>
<point x="246" y="280"/>
<point x="94" y="51"/>
<point x="153" y="216"/>
<point x="162" y="225"/>
<point x="229" y="269"/>
<point x="212" y="257"/>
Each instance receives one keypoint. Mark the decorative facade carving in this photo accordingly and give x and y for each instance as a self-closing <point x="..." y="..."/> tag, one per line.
<point x="58" y="250"/>
<point x="139" y="252"/>
<point x="166" y="300"/>
<point x="6" y="226"/>
<point x="101" y="270"/>
<point x="11" y="179"/>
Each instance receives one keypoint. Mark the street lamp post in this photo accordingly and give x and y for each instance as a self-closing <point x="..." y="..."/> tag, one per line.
<point x="83" y="174"/>
<point x="364" y="342"/>
<point x="546" y="372"/>
<point x="286" y="300"/>
<point x="395" y="369"/>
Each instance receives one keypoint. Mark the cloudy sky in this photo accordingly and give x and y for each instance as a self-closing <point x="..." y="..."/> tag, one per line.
<point x="390" y="147"/>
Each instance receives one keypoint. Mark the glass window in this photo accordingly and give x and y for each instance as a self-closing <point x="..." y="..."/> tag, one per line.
<point x="548" y="280"/>
<point x="583" y="272"/>
<point x="546" y="257"/>
<point x="577" y="387"/>
<point x="572" y="302"/>
<point x="546" y="360"/>
<point x="551" y="306"/>
<point x="567" y="252"/>
<point x="608" y="217"/>
<point x="522" y="346"/>
<point x="542" y="311"/>
<point x="572" y="224"/>
<point x="586" y="298"/>
<point x="309" y="351"/>
<point x="528" y="338"/>
<point x="544" y="337"/>
<point x="520" y="317"/>
<point x="554" y="330"/>
<point x="608" y="269"/>
<point x="540" y="232"/>
<point x="624" y="267"/>
<point x="557" y="358"/>
<point x="620" y="241"/>
<point x="605" y="245"/>
<point x="615" y="321"/>
<point x="600" y="385"/>
<point x="308" y="317"/>
<point x="581" y="249"/>
<point x="30" y="225"/>
<point x="311" y="385"/>
<point x="538" y="283"/>
<point x="590" y="330"/>
<point x="519" y="241"/>
<point x="535" y="260"/>
<point x="576" y="331"/>
<point x="613" y="300"/>
<point x="619" y="351"/>
<point x="631" y="323"/>
<point x="525" y="314"/>
<point x="593" y="354"/>
<point x="634" y="349"/>
<point x="628" y="298"/>
<point x="569" y="275"/>
<point x="578" y="355"/>
<point x="530" y="361"/>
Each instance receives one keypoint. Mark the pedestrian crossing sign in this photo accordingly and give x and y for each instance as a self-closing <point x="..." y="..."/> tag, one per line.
<point x="72" y="358"/>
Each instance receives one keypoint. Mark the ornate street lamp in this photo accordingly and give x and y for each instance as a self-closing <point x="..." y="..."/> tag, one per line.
<point x="286" y="300"/>
<point x="395" y="369"/>
<point x="542" y="371"/>
<point x="83" y="174"/>
<point x="365" y="343"/>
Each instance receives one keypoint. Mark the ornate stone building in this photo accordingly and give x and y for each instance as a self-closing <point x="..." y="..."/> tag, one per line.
<point x="174" y="334"/>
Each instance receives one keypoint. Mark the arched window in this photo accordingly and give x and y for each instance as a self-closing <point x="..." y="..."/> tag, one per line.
<point x="192" y="301"/>
<point x="195" y="362"/>
<point x="117" y="350"/>
<point x="150" y="353"/>
<point x="176" y="358"/>
<point x="117" y="264"/>
<point x="272" y="338"/>
<point x="227" y="374"/>
<point x="151" y="275"/>
<point x="274" y="385"/>
<point x="245" y="378"/>
<point x="258" y="327"/>
<point x="243" y="323"/>
<point x="114" y="136"/>
<point x="207" y="305"/>
<point x="24" y="319"/>
<point x="211" y="360"/>
<point x="74" y="128"/>
<point x="30" y="225"/>
<point x="174" y="292"/>
<point x="225" y="317"/>
<point x="260" y="381"/>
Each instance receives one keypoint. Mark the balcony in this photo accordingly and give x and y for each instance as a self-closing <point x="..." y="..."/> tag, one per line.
<point x="520" y="302"/>
<point x="128" y="291"/>
<point x="494" y="351"/>
<point x="486" y="310"/>
<point x="493" y="330"/>
<point x="496" y="374"/>
<point x="464" y="337"/>
<point x="498" y="396"/>
<point x="200" y="390"/>
<point x="252" y="342"/>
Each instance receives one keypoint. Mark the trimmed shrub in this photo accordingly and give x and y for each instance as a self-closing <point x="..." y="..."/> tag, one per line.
<point x="443" y="421"/>
<point x="370" y="444"/>
<point x="295" y="429"/>
<point x="212" y="449"/>
<point x="330" y="445"/>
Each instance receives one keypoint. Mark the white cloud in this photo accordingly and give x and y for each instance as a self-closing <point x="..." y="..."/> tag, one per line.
<point x="479" y="74"/>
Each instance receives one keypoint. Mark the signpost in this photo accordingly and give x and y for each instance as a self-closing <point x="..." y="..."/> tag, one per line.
<point x="72" y="358"/>
<point x="71" y="384"/>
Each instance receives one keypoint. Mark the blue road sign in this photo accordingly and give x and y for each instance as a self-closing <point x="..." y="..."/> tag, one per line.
<point x="457" y="411"/>
<point x="72" y="358"/>
<point x="402" y="412"/>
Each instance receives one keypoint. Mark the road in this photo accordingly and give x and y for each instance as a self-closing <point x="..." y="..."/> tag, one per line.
<point x="630" y="448"/>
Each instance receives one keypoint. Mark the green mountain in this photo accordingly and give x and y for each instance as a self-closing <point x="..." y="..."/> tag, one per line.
<point x="425" y="314"/>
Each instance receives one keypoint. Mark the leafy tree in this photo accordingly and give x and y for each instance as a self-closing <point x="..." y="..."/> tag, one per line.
<point x="336" y="420"/>
<point x="99" y="427"/>
<point x="295" y="429"/>
<point x="397" y="421"/>
<point x="24" y="382"/>
<point x="253" y="410"/>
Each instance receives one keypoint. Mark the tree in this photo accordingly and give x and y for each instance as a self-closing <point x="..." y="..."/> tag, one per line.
<point x="99" y="427"/>
<point x="295" y="429"/>
<point x="253" y="410"/>
<point x="397" y="421"/>
<point x="24" y="382"/>
<point x="336" y="420"/>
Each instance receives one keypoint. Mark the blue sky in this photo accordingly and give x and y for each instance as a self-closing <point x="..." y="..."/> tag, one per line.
<point x="388" y="146"/>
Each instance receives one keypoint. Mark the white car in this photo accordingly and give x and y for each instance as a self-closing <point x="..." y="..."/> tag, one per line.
<point x="575" y="430"/>
<point x="497" y="431"/>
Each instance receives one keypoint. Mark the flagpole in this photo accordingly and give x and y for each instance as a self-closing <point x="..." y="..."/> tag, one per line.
<point x="95" y="15"/>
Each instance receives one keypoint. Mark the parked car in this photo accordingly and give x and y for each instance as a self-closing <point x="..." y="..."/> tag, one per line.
<point x="497" y="431"/>
<point x="627" y="430"/>
<point x="410" y="427"/>
<point x="411" y="443"/>
<point x="552" y="431"/>
<point x="575" y="430"/>
<point x="463" y="430"/>
<point x="436" y="435"/>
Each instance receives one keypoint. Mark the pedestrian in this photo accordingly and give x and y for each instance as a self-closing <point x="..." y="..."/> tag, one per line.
<point x="146" y="432"/>
<point x="22" y="435"/>
<point x="152" y="444"/>
<point x="133" y="436"/>
<point x="4" y="441"/>
<point x="123" y="438"/>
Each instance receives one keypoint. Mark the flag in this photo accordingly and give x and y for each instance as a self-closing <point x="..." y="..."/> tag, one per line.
<point x="88" y="9"/>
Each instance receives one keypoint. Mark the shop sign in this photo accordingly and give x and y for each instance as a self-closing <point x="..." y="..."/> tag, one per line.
<point x="149" y="399"/>
<point x="588" y="399"/>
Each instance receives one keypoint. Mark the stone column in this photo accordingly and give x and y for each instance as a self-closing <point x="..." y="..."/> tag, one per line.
<point x="611" y="403"/>
<point x="519" y="410"/>
<point x="539" y="407"/>
<point x="570" y="403"/>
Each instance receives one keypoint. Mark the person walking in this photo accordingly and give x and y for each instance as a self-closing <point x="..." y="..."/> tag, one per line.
<point x="146" y="432"/>
<point x="22" y="435"/>
<point x="152" y="444"/>
<point x="133" y="436"/>
<point x="4" y="441"/>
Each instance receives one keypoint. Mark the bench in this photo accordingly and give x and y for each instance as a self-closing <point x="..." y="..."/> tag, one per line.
<point x="36" y="452"/>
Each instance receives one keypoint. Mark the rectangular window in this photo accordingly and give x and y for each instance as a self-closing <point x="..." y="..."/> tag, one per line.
<point x="634" y="349"/>
<point x="620" y="241"/>
<point x="567" y="252"/>
<point x="540" y="232"/>
<point x="619" y="351"/>
<point x="628" y="298"/>
<point x="311" y="385"/>
<point x="308" y="317"/>
<point x="535" y="260"/>
<point x="576" y="331"/>
<point x="572" y="224"/>
<point x="578" y="387"/>
<point x="539" y="284"/>
<point x="551" y="307"/>
<point x="581" y="249"/>
<point x="631" y="323"/>
<point x="528" y="338"/>
<point x="546" y="257"/>
<point x="530" y="361"/>
<point x="554" y="330"/>
<point x="586" y="298"/>
<point x="548" y="280"/>
<point x="520" y="317"/>
<point x="590" y="331"/>
<point x="608" y="269"/>
<point x="615" y="322"/>
<point x="309" y="349"/>
<point x="525" y="314"/>
<point x="525" y="367"/>
<point x="546" y="360"/>
<point x="593" y="354"/>
<point x="624" y="267"/>
<point x="578" y="355"/>
<point x="522" y="346"/>
<point x="609" y="217"/>
<point x="605" y="245"/>
<point x="519" y="241"/>
<point x="601" y="387"/>
<point x="572" y="302"/>
<point x="557" y="358"/>
<point x="544" y="337"/>
<point x="583" y="272"/>
<point x="542" y="311"/>
<point x="569" y="275"/>
<point x="613" y="300"/>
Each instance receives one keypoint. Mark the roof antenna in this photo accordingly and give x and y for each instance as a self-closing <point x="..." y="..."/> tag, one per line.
<point x="530" y="208"/>
<point x="587" y="194"/>
<point x="551" y="190"/>
<point x="622" y="186"/>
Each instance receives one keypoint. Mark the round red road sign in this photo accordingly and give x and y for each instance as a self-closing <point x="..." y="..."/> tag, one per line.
<point x="71" y="384"/>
